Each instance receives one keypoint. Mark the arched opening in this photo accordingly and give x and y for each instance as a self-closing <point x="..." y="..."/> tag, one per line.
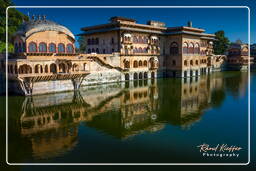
<point x="52" y="48"/>
<point x="174" y="49"/>
<point x="191" y="73"/>
<point x="153" y="75"/>
<point x="185" y="48"/>
<point x="70" y="48"/>
<point x="185" y="73"/>
<point x="127" y="64"/>
<point x="191" y="48"/>
<point x="38" y="68"/>
<point x="140" y="75"/>
<point x="135" y="76"/>
<point x="173" y="62"/>
<point x="53" y="68"/>
<point x="185" y="63"/>
<point x="145" y="63"/>
<point x="191" y="62"/>
<point x="135" y="64"/>
<point x="46" y="69"/>
<point x="127" y="77"/>
<point x="62" y="68"/>
<point x="140" y="63"/>
<point x="61" y="48"/>
<point x="75" y="67"/>
<point x="84" y="65"/>
<point x="32" y="47"/>
<point x="197" y="49"/>
<point x="42" y="47"/>
<point x="145" y="75"/>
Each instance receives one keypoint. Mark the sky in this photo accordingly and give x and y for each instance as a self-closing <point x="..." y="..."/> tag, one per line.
<point x="234" y="21"/>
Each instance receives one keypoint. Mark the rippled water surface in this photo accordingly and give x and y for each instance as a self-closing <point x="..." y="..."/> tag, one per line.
<point x="161" y="120"/>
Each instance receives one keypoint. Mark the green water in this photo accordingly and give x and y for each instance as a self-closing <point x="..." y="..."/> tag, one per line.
<point x="156" y="121"/>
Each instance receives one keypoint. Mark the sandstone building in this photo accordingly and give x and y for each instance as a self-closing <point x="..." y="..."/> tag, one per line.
<point x="45" y="59"/>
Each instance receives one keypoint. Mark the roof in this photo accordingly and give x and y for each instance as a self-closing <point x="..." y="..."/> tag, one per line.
<point x="30" y="27"/>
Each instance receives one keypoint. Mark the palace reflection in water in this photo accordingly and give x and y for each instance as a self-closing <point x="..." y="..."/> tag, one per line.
<point x="49" y="125"/>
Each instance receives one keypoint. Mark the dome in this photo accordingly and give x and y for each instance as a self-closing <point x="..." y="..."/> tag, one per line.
<point x="32" y="26"/>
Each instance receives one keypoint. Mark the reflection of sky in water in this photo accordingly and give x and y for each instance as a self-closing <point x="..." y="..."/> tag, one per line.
<point x="152" y="122"/>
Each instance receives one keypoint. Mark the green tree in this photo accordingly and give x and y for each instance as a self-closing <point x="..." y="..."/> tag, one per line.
<point x="82" y="44"/>
<point x="15" y="18"/>
<point x="221" y="43"/>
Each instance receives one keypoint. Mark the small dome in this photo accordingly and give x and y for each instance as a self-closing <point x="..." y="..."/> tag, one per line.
<point x="33" y="26"/>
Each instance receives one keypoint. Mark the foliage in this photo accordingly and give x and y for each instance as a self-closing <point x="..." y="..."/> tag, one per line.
<point x="15" y="18"/>
<point x="221" y="43"/>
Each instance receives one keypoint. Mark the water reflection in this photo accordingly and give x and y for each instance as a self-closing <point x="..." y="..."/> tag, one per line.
<point x="50" y="123"/>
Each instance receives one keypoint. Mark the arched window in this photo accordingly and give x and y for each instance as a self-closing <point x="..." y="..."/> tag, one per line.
<point x="185" y="63"/>
<point x="140" y="39"/>
<point x="144" y="50"/>
<point x="92" y="41"/>
<point x="197" y="49"/>
<point x="53" y="68"/>
<point x="135" y="64"/>
<point x="42" y="47"/>
<point x="185" y="48"/>
<point x="174" y="49"/>
<point x="191" y="62"/>
<point x="191" y="48"/>
<point x="135" y="50"/>
<point x="145" y="63"/>
<point x="140" y="63"/>
<point x="89" y="50"/>
<point x="97" y="41"/>
<point x="127" y="64"/>
<point x="97" y="50"/>
<point x="140" y="50"/>
<point x="93" y="50"/>
<point x="173" y="62"/>
<point x="70" y="48"/>
<point x="52" y="48"/>
<point x="196" y="62"/>
<point x="32" y="47"/>
<point x="135" y="39"/>
<point x="61" y="48"/>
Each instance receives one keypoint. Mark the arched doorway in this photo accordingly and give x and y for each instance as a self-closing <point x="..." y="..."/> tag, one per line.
<point x="135" y="76"/>
<point x="127" y="77"/>
<point x="140" y="76"/>
<point x="53" y="68"/>
<point x="145" y="75"/>
<point x="153" y="75"/>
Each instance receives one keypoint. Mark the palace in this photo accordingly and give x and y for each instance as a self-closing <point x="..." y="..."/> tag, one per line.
<point x="45" y="59"/>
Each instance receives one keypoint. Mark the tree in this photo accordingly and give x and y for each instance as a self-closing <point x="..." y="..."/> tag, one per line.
<point x="15" y="19"/>
<point x="221" y="43"/>
<point x="82" y="44"/>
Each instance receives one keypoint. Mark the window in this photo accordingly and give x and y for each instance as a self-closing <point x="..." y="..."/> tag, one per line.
<point x="32" y="47"/>
<point x="112" y="41"/>
<point x="42" y="47"/>
<point x="97" y="41"/>
<point x="93" y="50"/>
<point x="173" y="62"/>
<point x="89" y="50"/>
<point x="104" y="51"/>
<point x="174" y="50"/>
<point x="191" y="48"/>
<point x="20" y="47"/>
<point x="113" y="50"/>
<point x="185" y="63"/>
<point x="191" y="62"/>
<point x="92" y="41"/>
<point x="88" y="41"/>
<point x="52" y="48"/>
<point x="197" y="49"/>
<point x="185" y="48"/>
<point x="97" y="50"/>
<point x="70" y="48"/>
<point x="61" y="48"/>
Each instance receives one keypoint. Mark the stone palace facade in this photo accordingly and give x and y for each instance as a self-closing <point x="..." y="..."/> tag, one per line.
<point x="45" y="60"/>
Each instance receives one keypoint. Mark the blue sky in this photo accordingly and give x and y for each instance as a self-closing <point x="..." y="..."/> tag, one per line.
<point x="233" y="21"/>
